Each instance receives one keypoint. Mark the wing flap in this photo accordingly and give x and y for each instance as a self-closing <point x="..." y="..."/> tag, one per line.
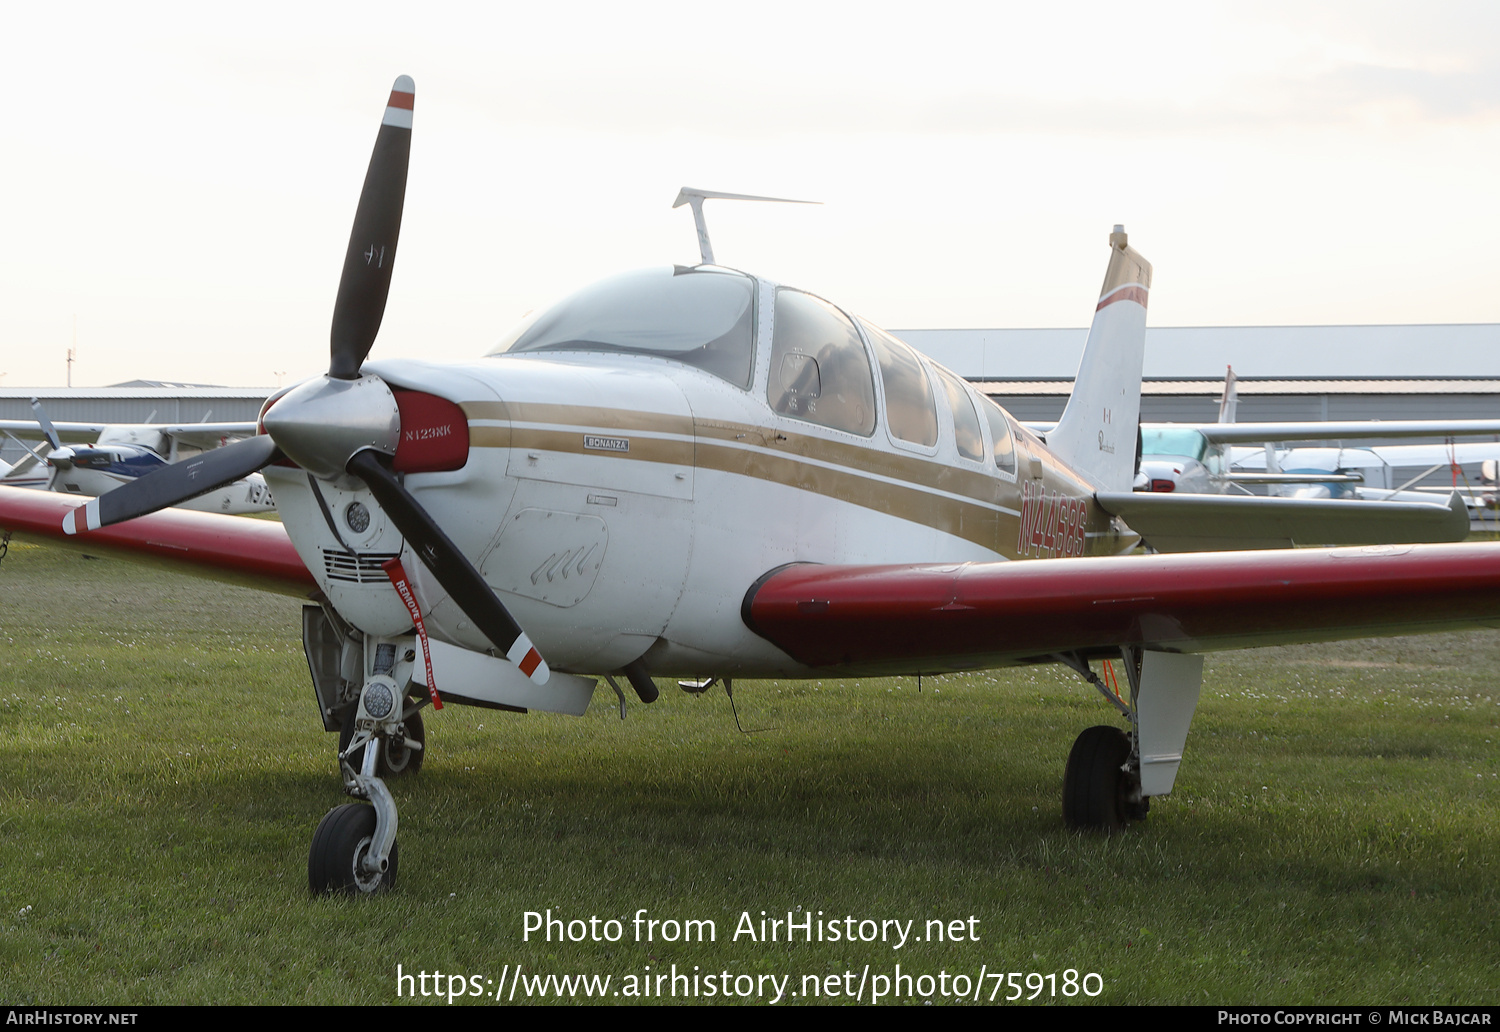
<point x="903" y="619"/>
<point x="235" y="549"/>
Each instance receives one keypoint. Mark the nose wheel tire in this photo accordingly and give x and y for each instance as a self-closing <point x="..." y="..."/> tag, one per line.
<point x="339" y="847"/>
<point x="1097" y="789"/>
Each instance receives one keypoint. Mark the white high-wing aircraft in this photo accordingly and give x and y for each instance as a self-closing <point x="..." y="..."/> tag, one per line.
<point x="1204" y="458"/>
<point x="95" y="458"/>
<point x="692" y="472"/>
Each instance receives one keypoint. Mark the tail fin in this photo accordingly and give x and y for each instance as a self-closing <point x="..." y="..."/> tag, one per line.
<point x="1230" y="399"/>
<point x="1096" y="435"/>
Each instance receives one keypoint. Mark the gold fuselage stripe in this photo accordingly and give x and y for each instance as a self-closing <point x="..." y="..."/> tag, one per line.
<point x="968" y="504"/>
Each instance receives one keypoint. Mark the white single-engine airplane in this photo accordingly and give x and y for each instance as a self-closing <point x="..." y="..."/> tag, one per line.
<point x="95" y="458"/>
<point x="692" y="472"/>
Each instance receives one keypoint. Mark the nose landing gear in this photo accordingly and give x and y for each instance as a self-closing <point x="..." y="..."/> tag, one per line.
<point x="354" y="849"/>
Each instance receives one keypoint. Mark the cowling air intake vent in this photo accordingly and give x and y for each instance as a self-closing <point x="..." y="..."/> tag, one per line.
<point x="363" y="568"/>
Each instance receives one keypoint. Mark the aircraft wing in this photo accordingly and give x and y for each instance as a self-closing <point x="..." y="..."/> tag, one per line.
<point x="1259" y="433"/>
<point x="205" y="435"/>
<point x="1196" y="523"/>
<point x="236" y="549"/>
<point x="68" y="433"/>
<point x="1435" y="454"/>
<point x="202" y="435"/>
<point x="886" y="619"/>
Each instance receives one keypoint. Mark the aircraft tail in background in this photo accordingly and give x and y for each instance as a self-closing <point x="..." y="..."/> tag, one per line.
<point x="1230" y="400"/>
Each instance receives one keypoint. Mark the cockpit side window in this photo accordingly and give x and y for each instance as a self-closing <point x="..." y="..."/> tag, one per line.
<point x="966" y="432"/>
<point x="820" y="370"/>
<point x="909" y="406"/>
<point x="1004" y="448"/>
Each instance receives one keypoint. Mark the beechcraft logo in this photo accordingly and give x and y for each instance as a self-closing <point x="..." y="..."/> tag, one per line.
<point x="615" y="444"/>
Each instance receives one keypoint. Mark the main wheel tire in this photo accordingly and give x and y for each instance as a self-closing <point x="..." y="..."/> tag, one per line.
<point x="340" y="843"/>
<point x="393" y="762"/>
<point x="1096" y="788"/>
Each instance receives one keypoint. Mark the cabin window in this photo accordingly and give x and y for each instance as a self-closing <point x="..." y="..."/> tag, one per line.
<point x="909" y="406"/>
<point x="1004" y="446"/>
<point x="966" y="433"/>
<point x="702" y="317"/>
<point x="820" y="370"/>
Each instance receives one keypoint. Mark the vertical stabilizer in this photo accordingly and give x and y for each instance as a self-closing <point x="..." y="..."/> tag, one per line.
<point x="1097" y="432"/>
<point x="1230" y="400"/>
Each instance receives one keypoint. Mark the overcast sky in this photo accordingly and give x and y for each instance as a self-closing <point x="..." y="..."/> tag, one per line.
<point x="180" y="180"/>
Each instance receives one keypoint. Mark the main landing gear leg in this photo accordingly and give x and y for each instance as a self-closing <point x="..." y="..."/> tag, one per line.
<point x="1112" y="775"/>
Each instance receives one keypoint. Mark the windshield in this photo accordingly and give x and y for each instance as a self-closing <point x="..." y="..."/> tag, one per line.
<point x="700" y="316"/>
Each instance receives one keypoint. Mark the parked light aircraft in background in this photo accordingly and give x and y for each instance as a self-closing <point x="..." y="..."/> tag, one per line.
<point x="1218" y="458"/>
<point x="1203" y="458"/>
<point x="95" y="458"/>
<point x="692" y="472"/>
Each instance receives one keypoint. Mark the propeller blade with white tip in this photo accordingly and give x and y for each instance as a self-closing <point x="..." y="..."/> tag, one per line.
<point x="366" y="281"/>
<point x="340" y="420"/>
<point x="173" y="484"/>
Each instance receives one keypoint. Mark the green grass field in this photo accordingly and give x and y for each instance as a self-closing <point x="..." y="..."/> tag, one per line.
<point x="1333" y="837"/>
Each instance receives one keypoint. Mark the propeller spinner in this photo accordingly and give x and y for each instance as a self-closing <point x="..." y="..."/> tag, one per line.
<point x="346" y="422"/>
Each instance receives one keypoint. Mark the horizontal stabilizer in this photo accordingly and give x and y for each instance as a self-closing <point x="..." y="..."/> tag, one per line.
<point x="1196" y="523"/>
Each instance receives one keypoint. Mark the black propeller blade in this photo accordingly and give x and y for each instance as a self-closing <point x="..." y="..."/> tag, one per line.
<point x="372" y="242"/>
<point x="357" y="314"/>
<point x="175" y="483"/>
<point x="449" y="565"/>
<point x="345" y="421"/>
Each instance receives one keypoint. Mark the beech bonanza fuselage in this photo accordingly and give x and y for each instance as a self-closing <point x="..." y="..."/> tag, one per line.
<point x="623" y="497"/>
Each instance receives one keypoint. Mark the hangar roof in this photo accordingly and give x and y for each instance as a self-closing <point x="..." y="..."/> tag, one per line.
<point x="1397" y="352"/>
